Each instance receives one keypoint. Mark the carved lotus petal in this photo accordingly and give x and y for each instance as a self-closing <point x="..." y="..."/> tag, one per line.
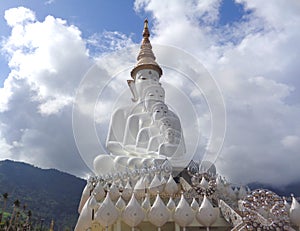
<point x="146" y="203"/>
<point x="107" y="214"/>
<point x="92" y="203"/>
<point x="85" y="218"/>
<point x="162" y="183"/>
<point x="193" y="168"/>
<point x="140" y="186"/>
<point x="195" y="205"/>
<point x="133" y="213"/>
<point x="85" y="195"/>
<point x="206" y="215"/>
<point x="99" y="192"/>
<point x="295" y="212"/>
<point x="171" y="204"/>
<point x="230" y="191"/>
<point x="127" y="192"/>
<point x="114" y="192"/>
<point x="287" y="205"/>
<point x="242" y="192"/>
<point x="158" y="214"/>
<point x="171" y="186"/>
<point x="204" y="183"/>
<point x="184" y="214"/>
<point x="120" y="204"/>
<point x="220" y="184"/>
<point x="155" y="186"/>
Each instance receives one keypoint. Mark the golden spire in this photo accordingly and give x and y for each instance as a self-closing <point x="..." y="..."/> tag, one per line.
<point x="146" y="58"/>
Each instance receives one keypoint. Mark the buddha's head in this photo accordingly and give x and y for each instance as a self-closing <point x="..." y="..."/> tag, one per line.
<point x="170" y="135"/>
<point x="165" y="123"/>
<point x="153" y="94"/>
<point x="159" y="110"/>
<point x="144" y="79"/>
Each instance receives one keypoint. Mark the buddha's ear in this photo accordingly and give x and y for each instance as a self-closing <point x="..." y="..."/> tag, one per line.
<point x="132" y="87"/>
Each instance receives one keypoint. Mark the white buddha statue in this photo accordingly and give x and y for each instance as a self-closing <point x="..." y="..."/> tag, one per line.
<point x="147" y="128"/>
<point x="169" y="133"/>
<point x="139" y="120"/>
<point x="144" y="78"/>
<point x="158" y="111"/>
<point x="172" y="146"/>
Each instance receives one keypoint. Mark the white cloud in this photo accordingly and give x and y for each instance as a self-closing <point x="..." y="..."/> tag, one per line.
<point x="4" y="146"/>
<point x="109" y="41"/>
<point x="255" y="64"/>
<point x="55" y="105"/>
<point x="18" y="16"/>
<point x="291" y="143"/>
<point x="49" y="2"/>
<point x="48" y="59"/>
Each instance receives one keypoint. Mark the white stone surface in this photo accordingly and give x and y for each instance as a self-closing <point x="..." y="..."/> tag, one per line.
<point x="85" y="195"/>
<point x="295" y="212"/>
<point x="107" y="214"/>
<point x="133" y="213"/>
<point x="206" y="215"/>
<point x="171" y="186"/>
<point x="158" y="214"/>
<point x="99" y="192"/>
<point x="127" y="191"/>
<point x="183" y="214"/>
<point x="171" y="205"/>
<point x="85" y="218"/>
<point x="195" y="205"/>
<point x="104" y="164"/>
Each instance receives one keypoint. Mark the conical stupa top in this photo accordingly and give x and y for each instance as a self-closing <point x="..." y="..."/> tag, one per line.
<point x="146" y="58"/>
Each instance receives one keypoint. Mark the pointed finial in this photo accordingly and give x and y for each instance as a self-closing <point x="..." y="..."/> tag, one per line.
<point x="146" y="32"/>
<point x="146" y="58"/>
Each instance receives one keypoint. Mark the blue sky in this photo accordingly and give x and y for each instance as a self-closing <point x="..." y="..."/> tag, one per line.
<point x="98" y="16"/>
<point x="250" y="48"/>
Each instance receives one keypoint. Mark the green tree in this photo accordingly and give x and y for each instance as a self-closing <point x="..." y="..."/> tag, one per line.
<point x="5" y="196"/>
<point x="27" y="225"/>
<point x="16" y="206"/>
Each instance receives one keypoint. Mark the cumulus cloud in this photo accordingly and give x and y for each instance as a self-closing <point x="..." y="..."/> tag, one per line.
<point x="47" y="61"/>
<point x="254" y="61"/>
<point x="19" y="16"/>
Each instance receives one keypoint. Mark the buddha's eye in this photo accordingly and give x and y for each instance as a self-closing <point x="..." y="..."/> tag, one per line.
<point x="151" y="94"/>
<point x="143" y="78"/>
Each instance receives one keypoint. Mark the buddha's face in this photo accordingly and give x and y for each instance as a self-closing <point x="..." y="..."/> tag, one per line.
<point x="170" y="135"/>
<point x="152" y="95"/>
<point x="166" y="123"/>
<point x="144" y="79"/>
<point x="159" y="110"/>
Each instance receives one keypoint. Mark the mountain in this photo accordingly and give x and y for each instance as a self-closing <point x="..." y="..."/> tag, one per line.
<point x="48" y="193"/>
<point x="287" y="190"/>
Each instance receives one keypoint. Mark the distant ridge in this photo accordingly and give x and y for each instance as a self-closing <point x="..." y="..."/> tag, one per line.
<point x="292" y="188"/>
<point x="48" y="193"/>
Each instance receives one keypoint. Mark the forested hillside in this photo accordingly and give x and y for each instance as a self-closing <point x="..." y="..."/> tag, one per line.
<point x="48" y="194"/>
